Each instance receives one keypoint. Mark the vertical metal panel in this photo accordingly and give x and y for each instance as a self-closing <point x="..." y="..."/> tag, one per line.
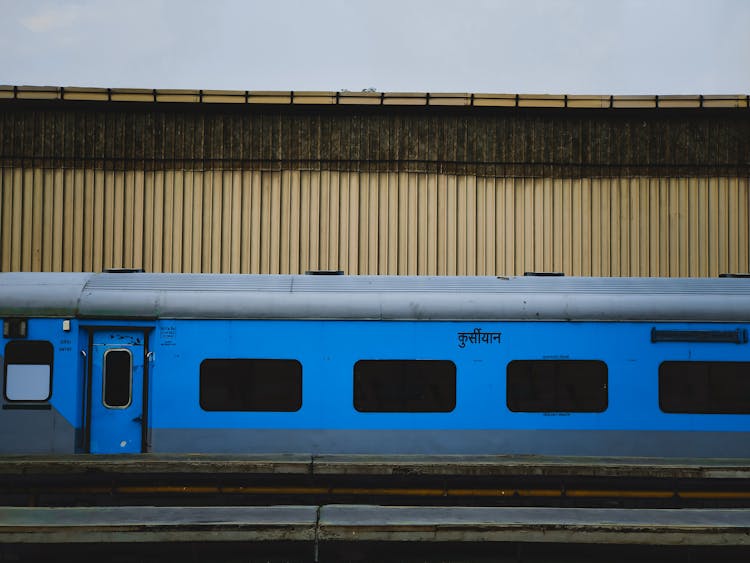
<point x="421" y="211"/>
<point x="549" y="226"/>
<point x="392" y="215"/>
<point x="450" y="226"/>
<point x="644" y="225"/>
<point x="148" y="221"/>
<point x="726" y="212"/>
<point x="187" y="221"/>
<point x="615" y="221"/>
<point x="441" y="226"/>
<point x="462" y="213"/>
<point x="87" y="232"/>
<point x="255" y="223"/>
<point x="37" y="228"/>
<point x="404" y="223"/>
<point x="48" y="217"/>
<point x="117" y="211"/>
<point x="314" y="243"/>
<point x="605" y="226"/>
<point x="16" y="232"/>
<point x="557" y="198"/>
<point x="481" y="227"/>
<point x="222" y="221"/>
<point x="98" y="219"/>
<point x="370" y="222"/>
<point x="596" y="228"/>
<point x="653" y="226"/>
<point x="157" y="243"/>
<point x="364" y="225"/>
<point x="215" y="230"/>
<point x="127" y="211"/>
<point x="743" y="246"/>
<point x="586" y="230"/>
<point x="372" y="212"/>
<point x="323" y="221"/>
<point x="576" y="220"/>
<point x="27" y="207"/>
<point x="430" y="194"/>
<point x="294" y="222"/>
<point x="471" y="226"/>
<point x="285" y="198"/>
<point x="664" y="226"/>
<point x="176" y="213"/>
<point x="337" y="247"/>
<point x="6" y="215"/>
<point x="510" y="225"/>
<point x="246" y="187"/>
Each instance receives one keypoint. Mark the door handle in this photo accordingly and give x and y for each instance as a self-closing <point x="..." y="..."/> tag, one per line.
<point x="138" y="419"/>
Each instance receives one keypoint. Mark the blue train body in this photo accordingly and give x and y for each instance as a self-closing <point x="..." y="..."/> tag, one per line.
<point x="155" y="363"/>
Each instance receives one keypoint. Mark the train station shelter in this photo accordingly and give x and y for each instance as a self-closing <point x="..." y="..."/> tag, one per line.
<point x="373" y="183"/>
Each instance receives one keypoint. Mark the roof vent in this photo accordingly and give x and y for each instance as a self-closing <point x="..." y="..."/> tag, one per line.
<point x="324" y="273"/>
<point x="123" y="270"/>
<point x="544" y="274"/>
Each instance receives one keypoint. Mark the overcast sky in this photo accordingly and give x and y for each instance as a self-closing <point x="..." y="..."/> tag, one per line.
<point x="506" y="46"/>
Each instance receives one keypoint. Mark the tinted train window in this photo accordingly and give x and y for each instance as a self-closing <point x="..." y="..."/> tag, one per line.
<point x="28" y="370"/>
<point x="557" y="386"/>
<point x="118" y="379"/>
<point x="404" y="386"/>
<point x="251" y="385"/>
<point x="705" y="387"/>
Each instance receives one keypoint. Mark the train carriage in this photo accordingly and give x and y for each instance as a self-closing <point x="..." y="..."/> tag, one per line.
<point x="127" y="362"/>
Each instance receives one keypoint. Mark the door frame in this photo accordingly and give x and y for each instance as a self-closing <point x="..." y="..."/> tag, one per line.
<point x="88" y="378"/>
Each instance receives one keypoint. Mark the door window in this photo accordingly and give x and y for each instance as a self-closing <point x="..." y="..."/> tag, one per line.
<point x="118" y="379"/>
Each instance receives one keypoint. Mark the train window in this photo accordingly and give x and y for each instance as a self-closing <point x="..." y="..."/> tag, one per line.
<point x="28" y="370"/>
<point x="251" y="385"/>
<point x="705" y="387"/>
<point x="557" y="386"/>
<point x="404" y="386"/>
<point x="118" y="379"/>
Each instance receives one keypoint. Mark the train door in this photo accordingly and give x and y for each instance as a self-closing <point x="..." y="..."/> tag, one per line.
<point x="117" y="391"/>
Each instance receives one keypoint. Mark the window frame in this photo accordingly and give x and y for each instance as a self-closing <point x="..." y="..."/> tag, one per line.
<point x="558" y="410"/>
<point x="361" y="362"/>
<point x="299" y="376"/>
<point x="6" y="363"/>
<point x="104" y="378"/>
<point x="696" y="363"/>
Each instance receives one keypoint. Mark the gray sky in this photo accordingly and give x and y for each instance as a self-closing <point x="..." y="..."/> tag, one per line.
<point x="508" y="46"/>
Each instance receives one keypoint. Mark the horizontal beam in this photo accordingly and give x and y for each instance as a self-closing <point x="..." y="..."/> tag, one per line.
<point x="291" y="97"/>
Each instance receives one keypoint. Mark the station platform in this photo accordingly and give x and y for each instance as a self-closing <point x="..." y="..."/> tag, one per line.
<point x="361" y="523"/>
<point x="396" y="465"/>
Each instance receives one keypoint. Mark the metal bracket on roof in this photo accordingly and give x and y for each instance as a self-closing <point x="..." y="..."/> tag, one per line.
<point x="544" y="274"/>
<point x="324" y="273"/>
<point x="123" y="270"/>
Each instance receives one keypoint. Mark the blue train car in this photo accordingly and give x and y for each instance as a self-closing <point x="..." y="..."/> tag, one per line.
<point x="136" y="362"/>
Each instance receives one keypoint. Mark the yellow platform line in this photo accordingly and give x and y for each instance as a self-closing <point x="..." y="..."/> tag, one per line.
<point x="391" y="491"/>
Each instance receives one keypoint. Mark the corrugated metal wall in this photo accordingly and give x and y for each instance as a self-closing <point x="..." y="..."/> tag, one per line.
<point x="79" y="219"/>
<point x="202" y="181"/>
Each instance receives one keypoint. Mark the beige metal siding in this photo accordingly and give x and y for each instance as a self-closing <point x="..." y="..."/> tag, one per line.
<point x="370" y="222"/>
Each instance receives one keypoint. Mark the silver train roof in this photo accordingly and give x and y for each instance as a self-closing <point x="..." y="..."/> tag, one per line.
<point x="238" y="296"/>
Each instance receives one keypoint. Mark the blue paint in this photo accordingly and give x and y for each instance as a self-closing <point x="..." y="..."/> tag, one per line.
<point x="116" y="429"/>
<point x="328" y="351"/>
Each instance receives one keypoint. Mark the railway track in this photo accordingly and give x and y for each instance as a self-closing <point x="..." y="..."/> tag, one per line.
<point x="362" y="508"/>
<point x="307" y="480"/>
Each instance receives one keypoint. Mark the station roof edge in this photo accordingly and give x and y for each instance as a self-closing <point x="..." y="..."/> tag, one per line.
<point x="368" y="98"/>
